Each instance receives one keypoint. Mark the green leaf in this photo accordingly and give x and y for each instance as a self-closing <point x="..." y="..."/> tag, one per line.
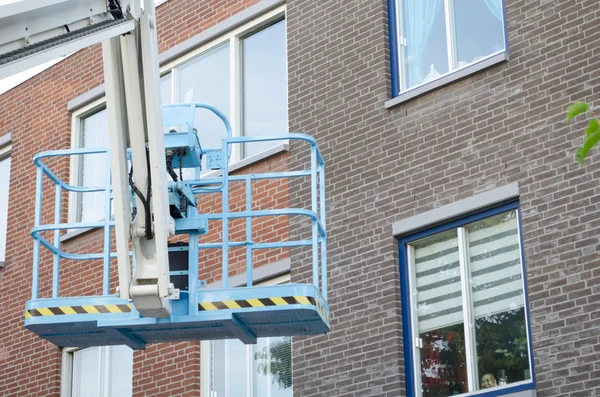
<point x="576" y="109"/>
<point x="590" y="141"/>
<point x="592" y="127"/>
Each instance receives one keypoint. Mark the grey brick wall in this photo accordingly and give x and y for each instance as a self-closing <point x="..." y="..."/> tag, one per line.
<point x="498" y="126"/>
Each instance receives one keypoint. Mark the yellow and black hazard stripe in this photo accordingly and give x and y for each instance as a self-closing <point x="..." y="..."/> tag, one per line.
<point x="67" y="310"/>
<point x="263" y="302"/>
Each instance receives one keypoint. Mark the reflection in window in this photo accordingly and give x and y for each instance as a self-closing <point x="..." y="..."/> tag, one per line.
<point x="468" y="308"/>
<point x="253" y="65"/>
<point x="497" y="294"/>
<point x="261" y="370"/>
<point x="265" y="85"/>
<point x="206" y="79"/>
<point x="479" y="29"/>
<point x="440" y="314"/>
<point x="439" y="36"/>
<point x="165" y="89"/>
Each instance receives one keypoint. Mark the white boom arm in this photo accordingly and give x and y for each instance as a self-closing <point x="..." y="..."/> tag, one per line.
<point x="35" y="31"/>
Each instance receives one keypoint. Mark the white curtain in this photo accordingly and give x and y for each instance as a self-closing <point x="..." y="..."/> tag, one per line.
<point x="418" y="21"/>
<point x="495" y="7"/>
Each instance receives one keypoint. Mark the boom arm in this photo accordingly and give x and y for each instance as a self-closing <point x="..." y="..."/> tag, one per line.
<point x="35" y="31"/>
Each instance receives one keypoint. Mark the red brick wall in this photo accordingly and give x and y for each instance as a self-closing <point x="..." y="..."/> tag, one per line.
<point x="36" y="114"/>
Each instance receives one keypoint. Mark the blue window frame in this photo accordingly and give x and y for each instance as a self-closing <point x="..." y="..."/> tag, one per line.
<point x="465" y="307"/>
<point x="432" y="39"/>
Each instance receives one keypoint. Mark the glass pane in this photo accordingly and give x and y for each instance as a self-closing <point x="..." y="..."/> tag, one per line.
<point x="265" y="85"/>
<point x="217" y="373"/>
<point x="4" y="187"/>
<point x="272" y="367"/>
<point x="94" y="135"/>
<point x="438" y="315"/>
<point x="206" y="79"/>
<point x="479" y="29"/>
<point x="497" y="297"/>
<point x="120" y="367"/>
<point x="229" y="368"/>
<point x="425" y="53"/>
<point x="165" y="89"/>
<point x="86" y="372"/>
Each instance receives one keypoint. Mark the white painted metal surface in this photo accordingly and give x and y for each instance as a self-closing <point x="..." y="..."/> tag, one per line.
<point x="135" y="120"/>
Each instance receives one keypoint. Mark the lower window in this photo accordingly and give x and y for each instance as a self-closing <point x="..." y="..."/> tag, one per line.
<point x="105" y="371"/>
<point x="238" y="370"/>
<point x="232" y="369"/>
<point x="464" y="306"/>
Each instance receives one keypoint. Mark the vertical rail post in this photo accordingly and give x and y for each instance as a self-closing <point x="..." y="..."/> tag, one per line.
<point x="56" y="264"/>
<point x="192" y="269"/>
<point x="225" y="213"/>
<point x="248" y="233"/>
<point x="324" y="239"/>
<point x="36" y="242"/>
<point x="107" y="214"/>
<point x="315" y="229"/>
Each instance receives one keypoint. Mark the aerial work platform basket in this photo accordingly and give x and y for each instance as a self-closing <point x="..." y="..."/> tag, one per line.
<point x="200" y="313"/>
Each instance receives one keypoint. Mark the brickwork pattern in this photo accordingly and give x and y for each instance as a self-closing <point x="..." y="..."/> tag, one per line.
<point x="498" y="126"/>
<point x="36" y="114"/>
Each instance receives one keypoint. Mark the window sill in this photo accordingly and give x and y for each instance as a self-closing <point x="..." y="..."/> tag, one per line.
<point x="255" y="158"/>
<point x="447" y="79"/>
<point x="522" y="389"/>
<point x="73" y="233"/>
<point x="282" y="147"/>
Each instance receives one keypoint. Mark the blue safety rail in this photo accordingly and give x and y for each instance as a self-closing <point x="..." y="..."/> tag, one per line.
<point x="201" y="313"/>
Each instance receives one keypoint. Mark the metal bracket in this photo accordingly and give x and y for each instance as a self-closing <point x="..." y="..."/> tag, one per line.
<point x="214" y="159"/>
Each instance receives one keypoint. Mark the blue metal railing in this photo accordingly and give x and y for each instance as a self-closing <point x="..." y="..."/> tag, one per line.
<point x="199" y="186"/>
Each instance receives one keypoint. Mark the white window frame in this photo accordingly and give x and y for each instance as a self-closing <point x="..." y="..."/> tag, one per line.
<point x="66" y="376"/>
<point x="5" y="154"/>
<point x="454" y="72"/>
<point x="234" y="38"/>
<point x="206" y="351"/>
<point x="75" y="168"/>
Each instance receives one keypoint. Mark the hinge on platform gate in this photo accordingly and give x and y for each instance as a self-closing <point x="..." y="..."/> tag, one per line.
<point x="419" y="343"/>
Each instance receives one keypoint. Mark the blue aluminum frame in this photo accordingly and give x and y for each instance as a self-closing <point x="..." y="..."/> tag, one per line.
<point x="186" y="310"/>
<point x="395" y="61"/>
<point x="406" y="297"/>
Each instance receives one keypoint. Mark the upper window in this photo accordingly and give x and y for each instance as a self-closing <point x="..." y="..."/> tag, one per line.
<point x="438" y="37"/>
<point x="465" y="308"/>
<point x="90" y="130"/>
<point x="4" y="190"/>
<point x="243" y="74"/>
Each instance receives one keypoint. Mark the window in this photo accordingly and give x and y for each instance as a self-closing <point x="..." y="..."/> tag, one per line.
<point x="435" y="38"/>
<point x="90" y="130"/>
<point x="464" y="307"/>
<point x="105" y="371"/>
<point x="4" y="191"/>
<point x="243" y="74"/>
<point x="232" y="369"/>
